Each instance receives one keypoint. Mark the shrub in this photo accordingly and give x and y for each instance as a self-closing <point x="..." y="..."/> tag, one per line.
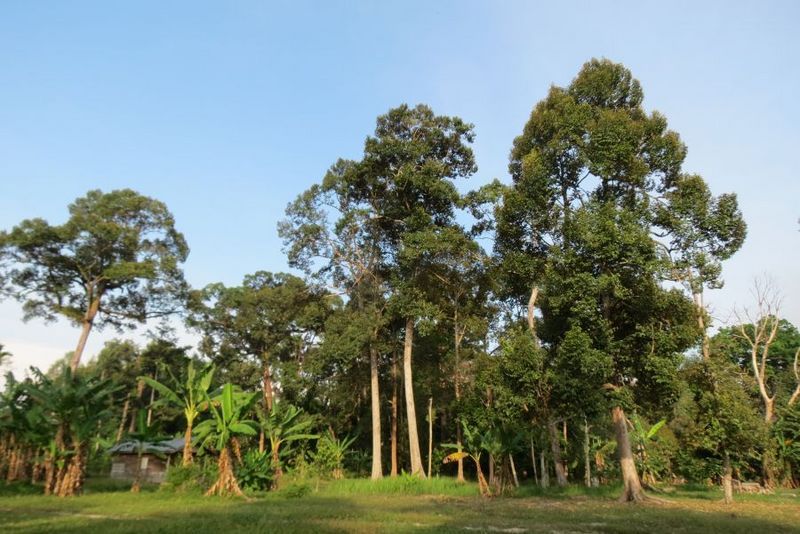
<point x="196" y="477"/>
<point x="296" y="490"/>
<point x="330" y="455"/>
<point x="256" y="471"/>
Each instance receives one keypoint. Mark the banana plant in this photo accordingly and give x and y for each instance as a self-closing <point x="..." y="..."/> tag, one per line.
<point x="642" y="435"/>
<point x="143" y="436"/>
<point x="228" y="410"/>
<point x="285" y="424"/>
<point x="332" y="451"/>
<point x="188" y="395"/>
<point x="474" y="443"/>
<point x="74" y="404"/>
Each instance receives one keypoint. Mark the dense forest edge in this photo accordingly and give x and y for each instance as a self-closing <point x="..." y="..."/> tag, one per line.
<point x="546" y="333"/>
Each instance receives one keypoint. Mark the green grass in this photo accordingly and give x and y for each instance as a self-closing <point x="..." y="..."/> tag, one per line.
<point x="400" y="505"/>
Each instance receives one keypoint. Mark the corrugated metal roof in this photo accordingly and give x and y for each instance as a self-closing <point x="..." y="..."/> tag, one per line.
<point x="170" y="446"/>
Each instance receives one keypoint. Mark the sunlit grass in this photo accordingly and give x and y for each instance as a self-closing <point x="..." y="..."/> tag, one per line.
<point x="401" y="504"/>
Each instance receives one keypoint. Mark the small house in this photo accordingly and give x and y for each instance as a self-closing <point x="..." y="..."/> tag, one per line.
<point x="153" y="460"/>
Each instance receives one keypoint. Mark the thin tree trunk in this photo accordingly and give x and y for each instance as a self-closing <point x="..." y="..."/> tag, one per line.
<point x="727" y="485"/>
<point x="430" y="436"/>
<point x="86" y="327"/>
<point x="411" y="412"/>
<point x="513" y="470"/>
<point x="483" y="486"/>
<point x="700" y="312"/>
<point x="587" y="468"/>
<point x="152" y="400"/>
<point x="266" y="380"/>
<point x="533" y="462"/>
<point x="377" y="469"/>
<point x="632" y="490"/>
<point x="555" y="448"/>
<point x="394" y="415"/>
<point x="187" y="445"/>
<point x="796" y="368"/>
<point x="531" y="310"/>
<point x="125" y="408"/>
<point x="545" y="475"/>
<point x="134" y="413"/>
<point x="458" y="336"/>
<point x="137" y="480"/>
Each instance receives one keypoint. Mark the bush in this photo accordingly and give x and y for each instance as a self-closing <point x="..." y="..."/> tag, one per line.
<point x="196" y="477"/>
<point x="330" y="455"/>
<point x="296" y="490"/>
<point x="256" y="471"/>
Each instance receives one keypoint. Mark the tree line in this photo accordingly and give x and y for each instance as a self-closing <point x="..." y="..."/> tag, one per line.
<point x="544" y="325"/>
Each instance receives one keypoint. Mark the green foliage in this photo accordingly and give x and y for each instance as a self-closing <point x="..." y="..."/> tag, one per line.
<point x="188" y="394"/>
<point x="228" y="410"/>
<point x="120" y="249"/>
<point x="256" y="471"/>
<point x="330" y="454"/>
<point x="716" y="416"/>
<point x="196" y="477"/>
<point x="296" y="489"/>
<point x="786" y="432"/>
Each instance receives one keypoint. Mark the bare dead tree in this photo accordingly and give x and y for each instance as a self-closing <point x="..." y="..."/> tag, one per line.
<point x="758" y="328"/>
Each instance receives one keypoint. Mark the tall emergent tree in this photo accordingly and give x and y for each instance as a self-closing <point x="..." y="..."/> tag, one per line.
<point x="328" y="234"/>
<point x="598" y="196"/>
<point x="114" y="262"/>
<point x="403" y="192"/>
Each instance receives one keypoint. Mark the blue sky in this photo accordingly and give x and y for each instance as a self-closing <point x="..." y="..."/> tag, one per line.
<point x="227" y="110"/>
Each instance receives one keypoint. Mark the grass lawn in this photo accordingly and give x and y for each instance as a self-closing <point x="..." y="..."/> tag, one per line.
<point x="392" y="506"/>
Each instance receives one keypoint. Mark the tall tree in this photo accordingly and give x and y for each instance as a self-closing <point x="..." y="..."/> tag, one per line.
<point x="270" y="318"/>
<point x="327" y="234"/>
<point x="114" y="262"/>
<point x="598" y="194"/>
<point x="402" y="191"/>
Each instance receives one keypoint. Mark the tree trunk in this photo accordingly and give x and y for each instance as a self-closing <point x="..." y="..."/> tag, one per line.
<point x="187" y="446"/>
<point x="727" y="485"/>
<point x="377" y="469"/>
<point x="545" y="480"/>
<point x="458" y="336"/>
<point x="152" y="400"/>
<point x="125" y="408"/>
<point x="796" y="368"/>
<point x="531" y="310"/>
<point x="533" y="462"/>
<point x="266" y="379"/>
<point x="430" y="436"/>
<point x="632" y="487"/>
<point x="700" y="311"/>
<point x="394" y="415"/>
<point x="411" y="412"/>
<point x="555" y="447"/>
<point x="86" y="327"/>
<point x="137" y="480"/>
<point x="483" y="486"/>
<point x="226" y="483"/>
<point x="139" y="393"/>
<point x="276" y="461"/>
<point x="587" y="467"/>
<point x="513" y="470"/>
